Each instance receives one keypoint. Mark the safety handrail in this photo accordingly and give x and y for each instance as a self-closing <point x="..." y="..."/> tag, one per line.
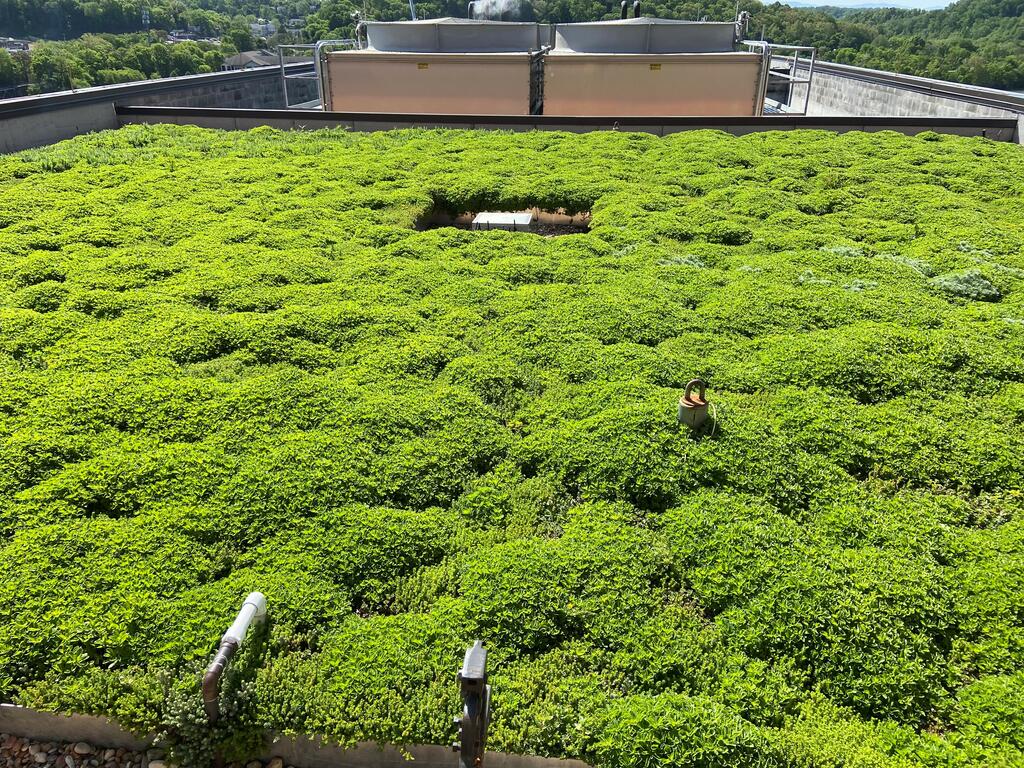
<point x="768" y="52"/>
<point x="316" y="53"/>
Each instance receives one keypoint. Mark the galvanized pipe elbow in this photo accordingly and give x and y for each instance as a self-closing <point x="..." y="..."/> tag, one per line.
<point x="211" y="680"/>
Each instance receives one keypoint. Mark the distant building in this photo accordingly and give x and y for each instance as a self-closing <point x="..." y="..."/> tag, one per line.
<point x="192" y="38"/>
<point x="249" y="60"/>
<point x="12" y="44"/>
<point x="263" y="28"/>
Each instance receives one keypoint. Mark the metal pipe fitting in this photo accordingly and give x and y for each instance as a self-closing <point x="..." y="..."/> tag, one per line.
<point x="476" y="708"/>
<point x="254" y="609"/>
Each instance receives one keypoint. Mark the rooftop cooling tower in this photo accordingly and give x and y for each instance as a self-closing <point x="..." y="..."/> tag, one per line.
<point x="438" y="66"/>
<point x="646" y="35"/>
<point x="650" y="67"/>
<point x="451" y="35"/>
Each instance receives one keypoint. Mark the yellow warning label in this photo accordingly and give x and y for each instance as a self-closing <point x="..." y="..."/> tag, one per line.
<point x="422" y="65"/>
<point x="655" y="66"/>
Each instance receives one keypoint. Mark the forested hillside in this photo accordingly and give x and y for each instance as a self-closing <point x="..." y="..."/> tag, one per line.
<point x="107" y="59"/>
<point x="974" y="41"/>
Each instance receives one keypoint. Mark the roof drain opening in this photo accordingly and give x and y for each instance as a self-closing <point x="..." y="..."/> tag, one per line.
<point x="534" y="220"/>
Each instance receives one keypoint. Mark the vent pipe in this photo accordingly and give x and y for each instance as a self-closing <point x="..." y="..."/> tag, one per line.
<point x="476" y="708"/>
<point x="253" y="609"/>
<point x="412" y="9"/>
<point x="624" y="9"/>
<point x="636" y="9"/>
<point x="469" y="9"/>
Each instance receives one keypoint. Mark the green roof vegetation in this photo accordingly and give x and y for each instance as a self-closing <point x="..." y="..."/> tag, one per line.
<point x="230" y="362"/>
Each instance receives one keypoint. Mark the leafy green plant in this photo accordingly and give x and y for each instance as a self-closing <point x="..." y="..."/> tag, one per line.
<point x="971" y="284"/>
<point x="231" y="362"/>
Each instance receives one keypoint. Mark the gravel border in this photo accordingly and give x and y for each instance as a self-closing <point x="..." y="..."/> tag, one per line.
<point x="18" y="752"/>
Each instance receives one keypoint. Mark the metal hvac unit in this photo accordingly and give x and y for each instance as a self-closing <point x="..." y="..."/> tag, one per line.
<point x="651" y="67"/>
<point x="440" y="66"/>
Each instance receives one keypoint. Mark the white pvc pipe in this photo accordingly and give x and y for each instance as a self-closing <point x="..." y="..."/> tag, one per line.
<point x="254" y="608"/>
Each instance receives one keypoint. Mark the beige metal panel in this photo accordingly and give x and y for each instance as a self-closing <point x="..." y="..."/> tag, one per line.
<point x="651" y="84"/>
<point x="437" y="83"/>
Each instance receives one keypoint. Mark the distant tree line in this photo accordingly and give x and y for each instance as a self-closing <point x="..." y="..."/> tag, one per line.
<point x="68" y="19"/>
<point x="974" y="41"/>
<point x="106" y="59"/>
<point x="13" y="68"/>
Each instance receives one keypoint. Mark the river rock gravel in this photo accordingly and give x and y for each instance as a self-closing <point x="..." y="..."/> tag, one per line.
<point x="18" y="752"/>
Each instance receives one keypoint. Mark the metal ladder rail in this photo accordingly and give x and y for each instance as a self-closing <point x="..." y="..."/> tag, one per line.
<point x="317" y="50"/>
<point x="768" y="51"/>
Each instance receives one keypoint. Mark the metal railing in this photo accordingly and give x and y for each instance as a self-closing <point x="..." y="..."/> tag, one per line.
<point x="770" y="52"/>
<point x="316" y="52"/>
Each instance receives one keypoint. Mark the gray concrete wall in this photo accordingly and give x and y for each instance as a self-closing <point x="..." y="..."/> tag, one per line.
<point x="33" y="121"/>
<point x="48" y="726"/>
<point x="999" y="129"/>
<point x="38" y="129"/>
<point x="838" y="89"/>
<point x="261" y="93"/>
<point x="303" y="751"/>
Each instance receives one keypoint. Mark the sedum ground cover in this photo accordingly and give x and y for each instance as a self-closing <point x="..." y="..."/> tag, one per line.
<point x="230" y="362"/>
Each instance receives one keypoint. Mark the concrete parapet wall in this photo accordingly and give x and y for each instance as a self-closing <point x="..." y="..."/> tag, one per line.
<point x="48" y="726"/>
<point x="302" y="751"/>
<point x="35" y="130"/>
<point x="33" y="121"/>
<point x="841" y="90"/>
<point x="999" y="129"/>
